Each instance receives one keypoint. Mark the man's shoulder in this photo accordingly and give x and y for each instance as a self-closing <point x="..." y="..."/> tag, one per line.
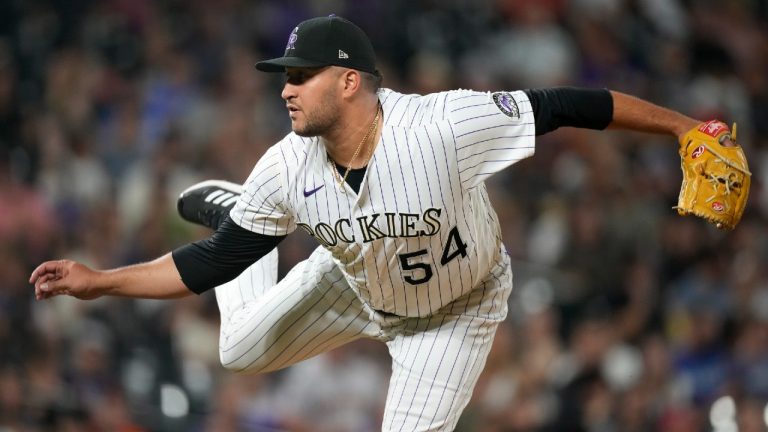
<point x="387" y="93"/>
<point x="287" y="155"/>
<point x="294" y="145"/>
<point x="389" y="96"/>
<point x="396" y="100"/>
<point x="291" y="138"/>
<point x="419" y="108"/>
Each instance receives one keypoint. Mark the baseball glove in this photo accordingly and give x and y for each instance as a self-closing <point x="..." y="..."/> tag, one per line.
<point x="716" y="179"/>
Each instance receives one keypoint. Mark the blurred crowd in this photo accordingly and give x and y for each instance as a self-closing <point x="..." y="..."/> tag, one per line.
<point x="625" y="316"/>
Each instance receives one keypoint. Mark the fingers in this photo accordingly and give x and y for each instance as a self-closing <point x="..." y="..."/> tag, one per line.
<point x="48" y="267"/>
<point x="43" y="295"/>
<point x="51" y="288"/>
<point x="45" y="286"/>
<point x="45" y="278"/>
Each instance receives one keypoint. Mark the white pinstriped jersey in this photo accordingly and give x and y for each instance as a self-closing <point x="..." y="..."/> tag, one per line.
<point x="421" y="232"/>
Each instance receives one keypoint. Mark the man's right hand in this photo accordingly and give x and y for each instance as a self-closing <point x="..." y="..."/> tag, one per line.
<point x="64" y="277"/>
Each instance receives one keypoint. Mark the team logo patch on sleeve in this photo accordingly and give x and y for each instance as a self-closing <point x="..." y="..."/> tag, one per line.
<point x="506" y="104"/>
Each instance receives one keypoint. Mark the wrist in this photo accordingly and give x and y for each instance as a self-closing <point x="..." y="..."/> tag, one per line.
<point x="682" y="127"/>
<point x="104" y="282"/>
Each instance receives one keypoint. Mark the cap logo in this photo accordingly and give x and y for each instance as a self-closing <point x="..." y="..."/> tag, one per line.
<point x="506" y="104"/>
<point x="292" y="39"/>
<point x="343" y="55"/>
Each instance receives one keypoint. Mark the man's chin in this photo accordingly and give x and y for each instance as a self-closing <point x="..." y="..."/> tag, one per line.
<point x="304" y="132"/>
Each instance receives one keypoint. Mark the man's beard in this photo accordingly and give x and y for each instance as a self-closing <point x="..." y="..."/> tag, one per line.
<point x="321" y="119"/>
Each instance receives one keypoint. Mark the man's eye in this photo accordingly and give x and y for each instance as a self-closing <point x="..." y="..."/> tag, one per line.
<point x="296" y="78"/>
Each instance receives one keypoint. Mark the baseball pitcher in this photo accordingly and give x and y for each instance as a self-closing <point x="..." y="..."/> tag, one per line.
<point x="391" y="186"/>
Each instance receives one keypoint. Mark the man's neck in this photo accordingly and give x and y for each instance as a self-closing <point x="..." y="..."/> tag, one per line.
<point x="357" y="132"/>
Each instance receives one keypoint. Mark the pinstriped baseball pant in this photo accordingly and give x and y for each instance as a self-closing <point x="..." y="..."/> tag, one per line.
<point x="436" y="360"/>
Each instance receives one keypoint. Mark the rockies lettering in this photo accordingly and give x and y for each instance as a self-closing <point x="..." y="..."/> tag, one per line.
<point x="395" y="225"/>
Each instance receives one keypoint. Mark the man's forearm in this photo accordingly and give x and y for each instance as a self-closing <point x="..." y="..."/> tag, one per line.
<point x="158" y="279"/>
<point x="636" y="114"/>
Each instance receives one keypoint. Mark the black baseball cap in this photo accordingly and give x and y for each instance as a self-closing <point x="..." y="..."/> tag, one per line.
<point x="325" y="41"/>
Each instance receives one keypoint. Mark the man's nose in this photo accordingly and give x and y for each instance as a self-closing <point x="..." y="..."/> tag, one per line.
<point x="289" y="91"/>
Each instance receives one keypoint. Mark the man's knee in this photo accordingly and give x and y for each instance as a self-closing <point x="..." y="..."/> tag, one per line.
<point x="251" y="361"/>
<point x="233" y="362"/>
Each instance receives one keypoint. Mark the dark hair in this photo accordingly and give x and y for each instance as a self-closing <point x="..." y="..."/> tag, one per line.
<point x="372" y="81"/>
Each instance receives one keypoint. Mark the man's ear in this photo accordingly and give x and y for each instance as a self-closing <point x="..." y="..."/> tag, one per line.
<point x="352" y="81"/>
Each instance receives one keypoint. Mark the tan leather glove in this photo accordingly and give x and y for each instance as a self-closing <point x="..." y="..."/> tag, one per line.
<point x="716" y="178"/>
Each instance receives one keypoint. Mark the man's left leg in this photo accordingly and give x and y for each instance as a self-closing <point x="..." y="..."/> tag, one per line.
<point x="437" y="360"/>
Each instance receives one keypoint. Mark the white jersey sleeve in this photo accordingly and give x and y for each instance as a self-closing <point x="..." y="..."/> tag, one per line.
<point x="491" y="131"/>
<point x="263" y="207"/>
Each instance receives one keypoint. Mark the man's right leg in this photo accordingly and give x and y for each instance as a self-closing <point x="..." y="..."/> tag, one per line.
<point x="311" y="311"/>
<point x="267" y="325"/>
<point x="233" y="296"/>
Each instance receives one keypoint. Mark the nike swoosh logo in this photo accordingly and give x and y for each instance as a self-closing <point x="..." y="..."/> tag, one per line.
<point x="312" y="192"/>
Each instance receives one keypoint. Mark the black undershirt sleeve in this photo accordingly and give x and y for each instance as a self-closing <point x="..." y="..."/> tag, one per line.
<point x="208" y="263"/>
<point x="570" y="106"/>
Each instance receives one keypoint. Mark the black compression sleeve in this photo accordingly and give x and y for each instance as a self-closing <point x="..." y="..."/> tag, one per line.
<point x="220" y="258"/>
<point x="570" y="106"/>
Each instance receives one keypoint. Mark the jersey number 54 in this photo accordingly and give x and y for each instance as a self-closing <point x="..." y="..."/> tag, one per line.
<point x="421" y="272"/>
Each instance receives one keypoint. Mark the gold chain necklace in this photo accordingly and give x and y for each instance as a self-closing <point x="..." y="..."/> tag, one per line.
<point x="343" y="179"/>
